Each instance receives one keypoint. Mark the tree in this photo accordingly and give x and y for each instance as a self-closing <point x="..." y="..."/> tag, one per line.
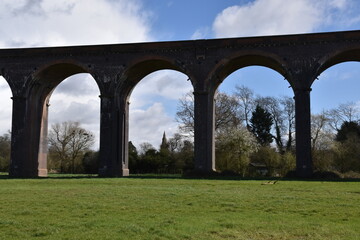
<point x="5" y="147"/>
<point x="245" y="98"/>
<point x="68" y="144"/>
<point x="90" y="162"/>
<point x="268" y="156"/>
<point x="272" y="105"/>
<point x="146" y="147"/>
<point x="287" y="163"/>
<point x="347" y="147"/>
<point x="321" y="135"/>
<point x="345" y="112"/>
<point x="322" y="138"/>
<point x="233" y="149"/>
<point x="282" y="111"/>
<point x="185" y="114"/>
<point x="181" y="153"/>
<point x="347" y="130"/>
<point x="175" y="143"/>
<point x="260" y="123"/>
<point x="185" y="156"/>
<point x="225" y="111"/>
<point x="288" y="104"/>
<point x="347" y="154"/>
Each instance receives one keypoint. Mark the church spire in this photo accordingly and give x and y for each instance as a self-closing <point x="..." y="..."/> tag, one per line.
<point x="164" y="142"/>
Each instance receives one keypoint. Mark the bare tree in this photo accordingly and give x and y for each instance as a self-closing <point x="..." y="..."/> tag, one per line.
<point x="288" y="104"/>
<point x="69" y="142"/>
<point x="225" y="111"/>
<point x="185" y="113"/>
<point x="245" y="98"/>
<point x="345" y="112"/>
<point x="321" y="135"/>
<point x="145" y="147"/>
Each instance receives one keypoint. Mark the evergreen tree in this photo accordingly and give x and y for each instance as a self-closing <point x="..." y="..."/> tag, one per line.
<point x="348" y="129"/>
<point x="260" y="124"/>
<point x="90" y="162"/>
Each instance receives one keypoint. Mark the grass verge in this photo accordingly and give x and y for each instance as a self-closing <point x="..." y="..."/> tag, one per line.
<point x="175" y="208"/>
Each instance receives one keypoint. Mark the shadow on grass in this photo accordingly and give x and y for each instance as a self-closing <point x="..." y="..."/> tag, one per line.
<point x="191" y="176"/>
<point x="52" y="176"/>
<point x="232" y="177"/>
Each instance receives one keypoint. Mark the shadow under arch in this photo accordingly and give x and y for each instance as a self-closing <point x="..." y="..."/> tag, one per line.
<point x="45" y="80"/>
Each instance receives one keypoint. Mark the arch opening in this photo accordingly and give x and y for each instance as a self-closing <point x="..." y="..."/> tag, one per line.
<point x="336" y="106"/>
<point x="142" y="69"/>
<point x="156" y="144"/>
<point x="352" y="55"/>
<point x="255" y="122"/>
<point x="249" y="61"/>
<point x="69" y="137"/>
<point x="5" y="125"/>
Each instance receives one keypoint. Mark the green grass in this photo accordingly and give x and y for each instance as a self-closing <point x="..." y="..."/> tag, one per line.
<point x="175" y="208"/>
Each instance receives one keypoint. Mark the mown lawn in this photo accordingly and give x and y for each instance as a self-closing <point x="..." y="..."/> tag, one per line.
<point x="175" y="208"/>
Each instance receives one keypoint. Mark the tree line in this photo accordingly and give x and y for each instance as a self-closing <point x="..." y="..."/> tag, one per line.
<point x="254" y="136"/>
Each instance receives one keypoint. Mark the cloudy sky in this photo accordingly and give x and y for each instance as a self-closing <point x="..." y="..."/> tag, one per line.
<point x="36" y="23"/>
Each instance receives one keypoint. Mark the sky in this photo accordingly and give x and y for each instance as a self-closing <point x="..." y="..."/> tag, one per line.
<point x="153" y="103"/>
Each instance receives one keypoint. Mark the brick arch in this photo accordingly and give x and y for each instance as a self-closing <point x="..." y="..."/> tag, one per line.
<point x="48" y="76"/>
<point x="6" y="80"/>
<point x="348" y="54"/>
<point x="137" y="71"/>
<point x="231" y="64"/>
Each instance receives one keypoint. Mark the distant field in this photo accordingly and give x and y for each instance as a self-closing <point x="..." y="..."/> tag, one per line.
<point x="175" y="208"/>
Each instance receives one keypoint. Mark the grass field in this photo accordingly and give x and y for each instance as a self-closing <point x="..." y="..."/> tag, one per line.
<point x="175" y="208"/>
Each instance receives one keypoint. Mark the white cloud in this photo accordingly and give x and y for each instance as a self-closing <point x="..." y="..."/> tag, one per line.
<point x="271" y="17"/>
<point x="79" y="84"/>
<point x="29" y="23"/>
<point x="77" y="99"/>
<point x="148" y="118"/>
<point x="201" y="33"/>
<point x="149" y="125"/>
<point x="86" y="111"/>
<point x="71" y="22"/>
<point x="168" y="84"/>
<point x="340" y="4"/>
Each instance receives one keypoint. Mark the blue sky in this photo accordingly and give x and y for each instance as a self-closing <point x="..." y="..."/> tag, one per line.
<point x="35" y="23"/>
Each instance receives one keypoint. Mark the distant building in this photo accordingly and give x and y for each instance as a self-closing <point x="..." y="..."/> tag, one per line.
<point x="259" y="169"/>
<point x="164" y="143"/>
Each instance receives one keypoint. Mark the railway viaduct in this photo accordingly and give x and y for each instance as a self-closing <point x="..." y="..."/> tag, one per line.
<point x="33" y="74"/>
